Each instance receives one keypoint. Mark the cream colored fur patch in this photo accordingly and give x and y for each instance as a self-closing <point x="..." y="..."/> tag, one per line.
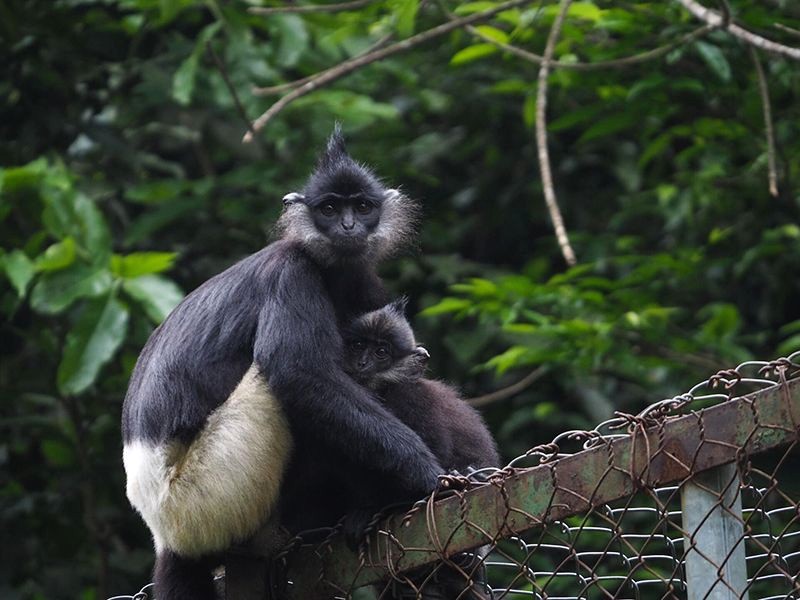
<point x="221" y="488"/>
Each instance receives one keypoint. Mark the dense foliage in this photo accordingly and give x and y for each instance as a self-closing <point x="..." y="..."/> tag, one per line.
<point x="123" y="181"/>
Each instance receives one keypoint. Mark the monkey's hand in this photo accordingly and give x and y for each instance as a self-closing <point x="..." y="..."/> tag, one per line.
<point x="453" y="480"/>
<point x="422" y="477"/>
<point x="359" y="524"/>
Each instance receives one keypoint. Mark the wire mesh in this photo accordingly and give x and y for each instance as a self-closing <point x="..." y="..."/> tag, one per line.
<point x="637" y="548"/>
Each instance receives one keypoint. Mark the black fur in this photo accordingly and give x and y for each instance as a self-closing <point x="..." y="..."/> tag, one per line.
<point x="453" y="430"/>
<point x="178" y="577"/>
<point x="282" y="308"/>
<point x="450" y="427"/>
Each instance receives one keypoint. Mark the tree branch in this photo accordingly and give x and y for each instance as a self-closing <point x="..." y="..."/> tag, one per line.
<point x="716" y="20"/>
<point x="326" y="77"/>
<point x="786" y="29"/>
<point x="308" y="8"/>
<point x="511" y="390"/>
<point x="767" y="107"/>
<point x="224" y="72"/>
<point x="541" y="138"/>
<point x="615" y="63"/>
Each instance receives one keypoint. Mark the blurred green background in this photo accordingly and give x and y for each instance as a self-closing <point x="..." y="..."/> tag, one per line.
<point x="124" y="184"/>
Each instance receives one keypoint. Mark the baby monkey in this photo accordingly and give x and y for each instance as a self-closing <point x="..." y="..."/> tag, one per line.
<point x="382" y="354"/>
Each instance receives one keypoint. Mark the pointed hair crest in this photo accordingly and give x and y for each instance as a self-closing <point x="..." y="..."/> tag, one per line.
<point x="337" y="172"/>
<point x="335" y="150"/>
<point x="398" y="306"/>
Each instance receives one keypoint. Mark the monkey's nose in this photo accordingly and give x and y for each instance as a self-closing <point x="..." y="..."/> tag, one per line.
<point x="348" y="225"/>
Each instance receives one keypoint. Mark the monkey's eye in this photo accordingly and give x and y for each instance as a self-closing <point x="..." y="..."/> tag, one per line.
<point x="357" y="346"/>
<point x="327" y="209"/>
<point x="364" y="207"/>
<point x="382" y="352"/>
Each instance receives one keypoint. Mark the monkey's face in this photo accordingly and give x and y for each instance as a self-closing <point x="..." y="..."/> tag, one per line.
<point x="364" y="358"/>
<point x="344" y="214"/>
<point x="346" y="221"/>
<point x="375" y="362"/>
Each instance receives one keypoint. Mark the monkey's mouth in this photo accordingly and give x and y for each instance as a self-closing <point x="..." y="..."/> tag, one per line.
<point x="361" y="377"/>
<point x="350" y="244"/>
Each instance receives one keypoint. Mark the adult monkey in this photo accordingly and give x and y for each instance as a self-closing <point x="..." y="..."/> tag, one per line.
<point x="254" y="353"/>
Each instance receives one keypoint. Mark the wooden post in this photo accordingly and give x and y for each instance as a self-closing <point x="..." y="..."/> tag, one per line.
<point x="714" y="535"/>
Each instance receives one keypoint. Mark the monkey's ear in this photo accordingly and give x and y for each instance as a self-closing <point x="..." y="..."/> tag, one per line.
<point x="292" y="198"/>
<point x="391" y="194"/>
<point x="399" y="305"/>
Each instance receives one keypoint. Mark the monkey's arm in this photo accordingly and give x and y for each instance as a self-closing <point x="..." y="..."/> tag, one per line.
<point x="299" y="348"/>
<point x="472" y="444"/>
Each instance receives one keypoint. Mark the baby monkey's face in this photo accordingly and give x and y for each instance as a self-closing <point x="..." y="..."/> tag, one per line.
<point x="364" y="357"/>
<point x="374" y="361"/>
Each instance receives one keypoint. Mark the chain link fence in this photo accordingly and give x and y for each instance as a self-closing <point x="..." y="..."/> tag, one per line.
<point x="695" y="497"/>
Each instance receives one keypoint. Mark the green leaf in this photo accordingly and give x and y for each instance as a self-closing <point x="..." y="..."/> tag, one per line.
<point x="293" y="39"/>
<point x="185" y="77"/>
<point x="585" y="10"/>
<point x="58" y="256"/>
<point x="655" y="148"/>
<point x="155" y="192"/>
<point x="724" y="320"/>
<point x="27" y="176"/>
<point x="586" y="114"/>
<point x="473" y="7"/>
<point x="57" y="452"/>
<point x="529" y="110"/>
<point x="406" y="12"/>
<point x="715" y="60"/>
<point x="511" y="86"/>
<point x="69" y="213"/>
<point x="609" y="125"/>
<point x="19" y="270"/>
<point x="171" y="8"/>
<point x="91" y="343"/>
<point x="156" y="295"/>
<point x="791" y="327"/>
<point x="141" y="263"/>
<point x="447" y="305"/>
<point x="789" y="346"/>
<point x="56" y="291"/>
<point x="359" y="110"/>
<point x="472" y="53"/>
<point x="159" y="218"/>
<point x="512" y="357"/>
<point x="97" y="238"/>
<point x="477" y="287"/>
<point x="493" y="33"/>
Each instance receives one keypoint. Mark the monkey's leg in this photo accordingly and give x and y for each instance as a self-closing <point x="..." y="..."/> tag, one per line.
<point x="202" y="497"/>
<point x="178" y="578"/>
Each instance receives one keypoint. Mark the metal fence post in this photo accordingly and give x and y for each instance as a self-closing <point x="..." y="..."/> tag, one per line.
<point x="714" y="535"/>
